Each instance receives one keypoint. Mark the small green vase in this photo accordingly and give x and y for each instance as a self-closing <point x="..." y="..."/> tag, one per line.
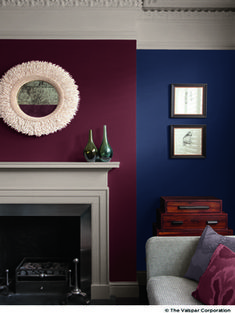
<point x="105" y="150"/>
<point x="90" y="152"/>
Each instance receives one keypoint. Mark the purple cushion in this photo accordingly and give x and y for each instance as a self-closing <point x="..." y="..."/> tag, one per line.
<point x="207" y="244"/>
<point x="217" y="284"/>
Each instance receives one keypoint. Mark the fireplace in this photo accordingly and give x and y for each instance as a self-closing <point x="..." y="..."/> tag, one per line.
<point x="33" y="245"/>
<point x="63" y="189"/>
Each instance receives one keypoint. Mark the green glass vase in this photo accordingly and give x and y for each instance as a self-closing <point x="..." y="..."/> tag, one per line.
<point x="105" y="150"/>
<point x="90" y="152"/>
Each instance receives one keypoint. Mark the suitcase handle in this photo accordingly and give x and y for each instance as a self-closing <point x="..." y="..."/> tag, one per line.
<point x="212" y="222"/>
<point x="177" y="222"/>
<point x="197" y="207"/>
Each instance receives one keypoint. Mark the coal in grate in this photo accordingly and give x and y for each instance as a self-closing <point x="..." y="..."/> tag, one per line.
<point x="42" y="275"/>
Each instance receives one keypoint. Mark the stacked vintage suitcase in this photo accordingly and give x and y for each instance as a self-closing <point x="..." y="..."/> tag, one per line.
<point x="188" y="216"/>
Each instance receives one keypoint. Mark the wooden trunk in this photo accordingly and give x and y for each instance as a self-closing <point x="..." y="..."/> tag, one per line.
<point x="188" y="216"/>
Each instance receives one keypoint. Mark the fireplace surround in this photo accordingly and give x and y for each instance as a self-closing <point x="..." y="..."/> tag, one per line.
<point x="66" y="183"/>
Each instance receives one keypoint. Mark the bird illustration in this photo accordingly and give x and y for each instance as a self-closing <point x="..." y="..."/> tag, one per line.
<point x="187" y="139"/>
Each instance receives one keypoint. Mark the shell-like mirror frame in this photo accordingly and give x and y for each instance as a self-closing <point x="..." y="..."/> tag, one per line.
<point x="55" y="75"/>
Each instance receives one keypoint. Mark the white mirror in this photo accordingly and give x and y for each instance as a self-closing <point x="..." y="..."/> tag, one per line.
<point x="38" y="98"/>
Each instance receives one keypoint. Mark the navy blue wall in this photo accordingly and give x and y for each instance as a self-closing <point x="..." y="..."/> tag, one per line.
<point x="157" y="174"/>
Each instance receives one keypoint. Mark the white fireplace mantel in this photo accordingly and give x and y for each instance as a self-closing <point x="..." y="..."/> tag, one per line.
<point x="55" y="175"/>
<point x="61" y="165"/>
<point x="60" y="182"/>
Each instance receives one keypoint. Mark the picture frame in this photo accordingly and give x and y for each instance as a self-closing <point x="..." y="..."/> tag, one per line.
<point x="188" y="100"/>
<point x="188" y="141"/>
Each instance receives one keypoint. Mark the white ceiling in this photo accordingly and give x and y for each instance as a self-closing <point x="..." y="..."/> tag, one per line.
<point x="154" y="24"/>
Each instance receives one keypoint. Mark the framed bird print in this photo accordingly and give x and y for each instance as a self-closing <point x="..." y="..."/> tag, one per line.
<point x="188" y="100"/>
<point x="188" y="141"/>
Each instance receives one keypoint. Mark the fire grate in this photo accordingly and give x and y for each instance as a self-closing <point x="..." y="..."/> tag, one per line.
<point x="42" y="275"/>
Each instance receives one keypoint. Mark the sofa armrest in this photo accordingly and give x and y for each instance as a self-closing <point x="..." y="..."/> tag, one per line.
<point x="169" y="255"/>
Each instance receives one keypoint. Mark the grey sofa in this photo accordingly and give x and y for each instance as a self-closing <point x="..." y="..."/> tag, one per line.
<point x="167" y="261"/>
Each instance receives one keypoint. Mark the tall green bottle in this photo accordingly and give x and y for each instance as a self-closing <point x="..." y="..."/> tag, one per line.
<point x="90" y="152"/>
<point x="105" y="150"/>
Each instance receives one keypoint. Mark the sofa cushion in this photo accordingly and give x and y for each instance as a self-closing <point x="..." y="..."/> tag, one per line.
<point x="217" y="284"/>
<point x="207" y="244"/>
<point x="171" y="290"/>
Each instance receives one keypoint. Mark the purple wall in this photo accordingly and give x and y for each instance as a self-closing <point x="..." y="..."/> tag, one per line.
<point x="105" y="71"/>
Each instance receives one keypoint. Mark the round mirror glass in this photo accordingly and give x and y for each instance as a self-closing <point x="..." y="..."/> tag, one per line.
<point x="37" y="98"/>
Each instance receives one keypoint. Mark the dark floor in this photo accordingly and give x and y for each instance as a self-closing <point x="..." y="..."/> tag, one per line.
<point x="37" y="299"/>
<point x="9" y="297"/>
<point x="141" y="300"/>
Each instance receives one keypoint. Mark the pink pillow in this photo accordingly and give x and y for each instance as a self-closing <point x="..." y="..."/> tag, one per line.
<point x="217" y="284"/>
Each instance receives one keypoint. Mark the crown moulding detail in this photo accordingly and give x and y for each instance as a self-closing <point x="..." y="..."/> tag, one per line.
<point x="185" y="10"/>
<point x="187" y="14"/>
<point x="146" y="5"/>
<point x="189" y="5"/>
<point x="72" y="3"/>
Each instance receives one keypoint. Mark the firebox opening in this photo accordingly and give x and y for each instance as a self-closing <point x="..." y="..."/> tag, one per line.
<point x="44" y="237"/>
<point x="48" y="233"/>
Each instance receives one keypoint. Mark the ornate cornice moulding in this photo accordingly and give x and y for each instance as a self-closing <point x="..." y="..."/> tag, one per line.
<point x="189" y="5"/>
<point x="72" y="3"/>
<point x="187" y="15"/>
<point x="146" y="5"/>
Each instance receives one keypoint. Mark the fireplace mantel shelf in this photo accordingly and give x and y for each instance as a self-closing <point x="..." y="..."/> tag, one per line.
<point x="57" y="175"/>
<point x="59" y="165"/>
